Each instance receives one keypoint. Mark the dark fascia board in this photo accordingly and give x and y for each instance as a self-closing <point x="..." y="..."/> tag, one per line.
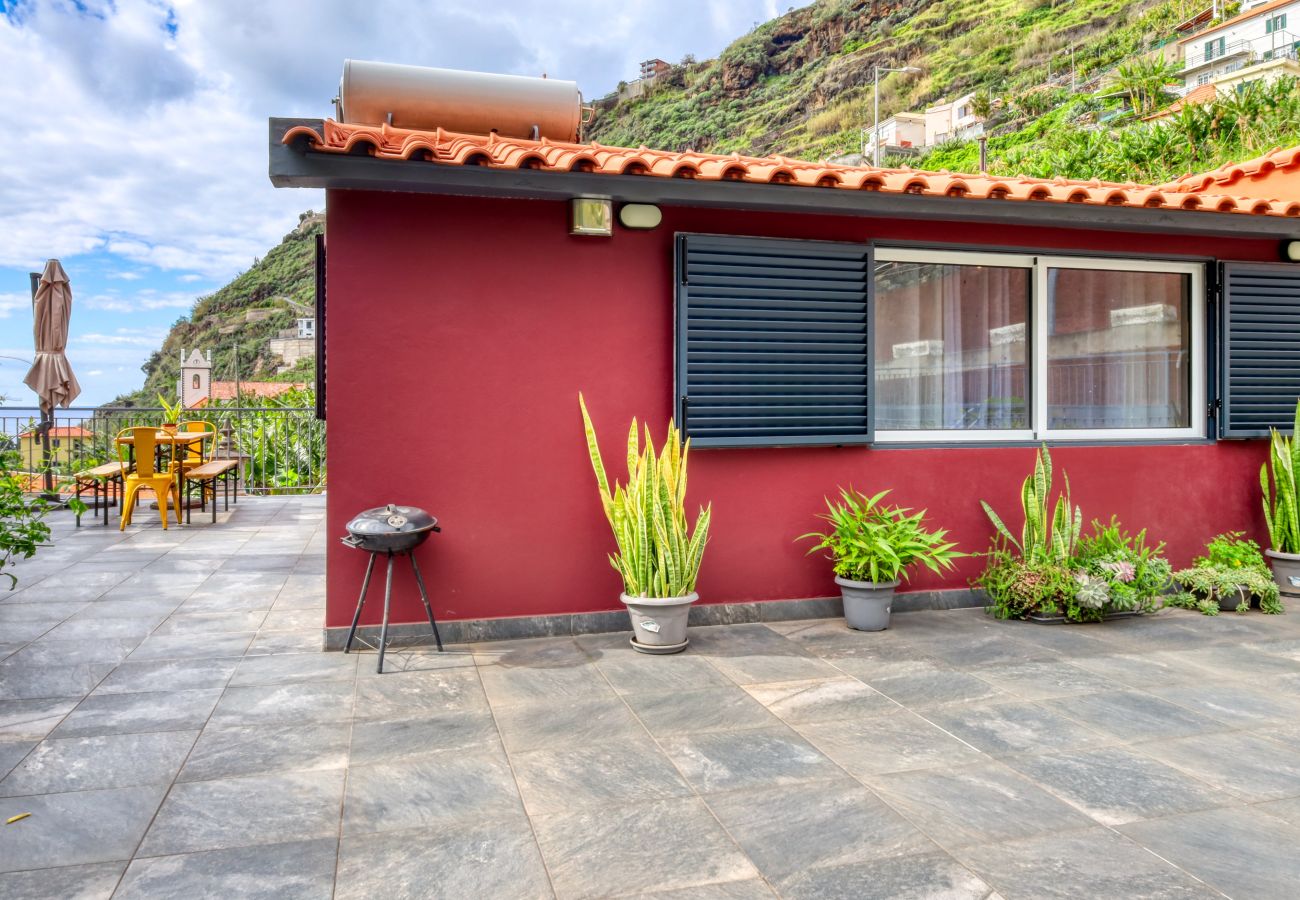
<point x="297" y="167"/>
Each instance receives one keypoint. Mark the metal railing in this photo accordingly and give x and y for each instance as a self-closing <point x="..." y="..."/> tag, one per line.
<point x="281" y="449"/>
<point x="1276" y="45"/>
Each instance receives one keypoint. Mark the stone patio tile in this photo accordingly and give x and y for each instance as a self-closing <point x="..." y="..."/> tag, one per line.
<point x="960" y="650"/>
<point x="412" y="658"/>
<point x="75" y="828"/>
<point x="405" y="695"/>
<point x="1134" y="716"/>
<point x="212" y="623"/>
<point x="1065" y="642"/>
<point x="284" y="668"/>
<point x="45" y="652"/>
<point x="784" y="662"/>
<point x="935" y="686"/>
<point x="574" y="724"/>
<point x="153" y="609"/>
<point x="499" y="859"/>
<point x="285" y="704"/>
<point x="1238" y="704"/>
<point x="531" y="653"/>
<point x="167" y="674"/>
<point x="191" y="646"/>
<point x="95" y="629"/>
<point x="40" y="611"/>
<point x="31" y="720"/>
<point x="720" y="761"/>
<point x="272" y="642"/>
<point x="19" y="681"/>
<point x="137" y="713"/>
<point x="926" y="875"/>
<point x="895" y="742"/>
<point x="1287" y="810"/>
<point x="631" y="672"/>
<point x="257" y="750"/>
<point x="975" y="804"/>
<point x="243" y="812"/>
<point x="99" y="763"/>
<point x="1116" y="785"/>
<point x="374" y="742"/>
<point x="1244" y="764"/>
<point x="750" y="889"/>
<point x="448" y="786"/>
<point x="1135" y="670"/>
<point x="1042" y="680"/>
<point x="826" y="700"/>
<point x="1096" y="862"/>
<point x="1233" y="850"/>
<point x="578" y="847"/>
<point x="601" y="772"/>
<point x="543" y="684"/>
<point x="206" y="601"/>
<point x="12" y="753"/>
<point x="301" y="870"/>
<point x="1228" y="661"/>
<point x="7" y="650"/>
<point x="293" y="620"/>
<point x="790" y="828"/>
<point x="1016" y="727"/>
<point x="21" y="632"/>
<point x="832" y="639"/>
<point x="725" y="708"/>
<point x="95" y="881"/>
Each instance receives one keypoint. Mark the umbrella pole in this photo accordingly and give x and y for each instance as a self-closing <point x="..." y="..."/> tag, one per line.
<point x="47" y="422"/>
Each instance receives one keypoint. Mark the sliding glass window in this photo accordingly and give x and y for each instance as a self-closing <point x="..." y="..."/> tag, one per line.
<point x="993" y="346"/>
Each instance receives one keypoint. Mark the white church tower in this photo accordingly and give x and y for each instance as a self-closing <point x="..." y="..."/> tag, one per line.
<point x="196" y="378"/>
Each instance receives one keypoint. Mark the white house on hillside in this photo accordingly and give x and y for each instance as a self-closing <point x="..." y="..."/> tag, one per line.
<point x="900" y="131"/>
<point x="949" y="121"/>
<point x="1263" y="33"/>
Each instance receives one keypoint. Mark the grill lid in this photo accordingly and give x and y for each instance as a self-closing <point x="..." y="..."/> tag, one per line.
<point x="391" y="519"/>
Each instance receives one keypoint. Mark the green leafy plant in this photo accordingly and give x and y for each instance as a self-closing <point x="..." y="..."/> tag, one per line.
<point x="1231" y="572"/>
<point x="1017" y="588"/>
<point x="658" y="556"/>
<point x="1043" y="538"/>
<point x="171" y="411"/>
<point x="1132" y="573"/>
<point x="1280" y="505"/>
<point x="22" y="526"/>
<point x="869" y="541"/>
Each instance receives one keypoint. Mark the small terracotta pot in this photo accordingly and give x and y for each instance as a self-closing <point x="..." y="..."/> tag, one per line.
<point x="170" y="427"/>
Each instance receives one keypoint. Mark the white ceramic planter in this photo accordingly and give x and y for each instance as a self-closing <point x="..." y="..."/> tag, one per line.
<point x="867" y="603"/>
<point x="659" y="623"/>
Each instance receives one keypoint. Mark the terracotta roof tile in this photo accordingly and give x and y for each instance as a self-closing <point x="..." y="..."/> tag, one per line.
<point x="62" y="431"/>
<point x="450" y="148"/>
<point x="1277" y="160"/>
<point x="225" y="390"/>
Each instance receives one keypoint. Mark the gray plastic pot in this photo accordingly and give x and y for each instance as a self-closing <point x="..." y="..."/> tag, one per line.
<point x="659" y="623"/>
<point x="867" y="603"/>
<point x="1286" y="571"/>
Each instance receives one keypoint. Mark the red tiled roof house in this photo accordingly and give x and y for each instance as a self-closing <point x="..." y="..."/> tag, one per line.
<point x="807" y="325"/>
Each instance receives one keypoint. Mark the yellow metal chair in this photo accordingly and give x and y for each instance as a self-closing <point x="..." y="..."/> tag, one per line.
<point x="190" y="456"/>
<point x="146" y="474"/>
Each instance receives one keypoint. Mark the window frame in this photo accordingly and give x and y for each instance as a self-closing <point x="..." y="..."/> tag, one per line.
<point x="1036" y="351"/>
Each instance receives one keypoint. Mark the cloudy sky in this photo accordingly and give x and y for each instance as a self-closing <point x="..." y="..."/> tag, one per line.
<point x="133" y="133"/>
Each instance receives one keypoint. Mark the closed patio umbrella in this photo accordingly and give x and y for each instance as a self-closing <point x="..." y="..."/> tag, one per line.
<point x="51" y="375"/>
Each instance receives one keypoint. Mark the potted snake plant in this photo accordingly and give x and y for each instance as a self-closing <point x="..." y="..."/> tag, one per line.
<point x="1282" y="508"/>
<point x="171" y="414"/>
<point x="872" y="546"/>
<point x="658" y="556"/>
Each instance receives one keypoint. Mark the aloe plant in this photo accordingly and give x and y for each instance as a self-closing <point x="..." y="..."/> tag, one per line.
<point x="1043" y="538"/>
<point x="1280" y="504"/>
<point x="658" y="556"/>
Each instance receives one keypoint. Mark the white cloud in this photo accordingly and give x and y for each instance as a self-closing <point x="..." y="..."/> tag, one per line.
<point x="126" y="276"/>
<point x="144" y="299"/>
<point x="10" y="302"/>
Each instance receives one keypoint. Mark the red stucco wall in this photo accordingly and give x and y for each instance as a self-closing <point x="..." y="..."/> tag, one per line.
<point x="461" y="330"/>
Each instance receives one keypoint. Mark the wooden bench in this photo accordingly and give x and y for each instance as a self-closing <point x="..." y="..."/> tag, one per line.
<point x="206" y="476"/>
<point x="109" y="477"/>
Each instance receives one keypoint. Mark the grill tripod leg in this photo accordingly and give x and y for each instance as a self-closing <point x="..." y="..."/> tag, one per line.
<point x="424" y="595"/>
<point x="388" y="596"/>
<point x="361" y="601"/>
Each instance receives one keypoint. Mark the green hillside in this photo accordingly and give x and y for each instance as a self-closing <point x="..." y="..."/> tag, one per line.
<point x="240" y="319"/>
<point x="1058" y="77"/>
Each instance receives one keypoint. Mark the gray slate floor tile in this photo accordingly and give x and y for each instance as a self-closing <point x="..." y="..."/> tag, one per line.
<point x="721" y="761"/>
<point x="726" y="708"/>
<point x="572" y="724"/>
<point x="301" y="870"/>
<point x="1232" y="850"/>
<point x="601" y="772"/>
<point x="1134" y="716"/>
<point x="926" y="875"/>
<point x="975" y="804"/>
<point x="790" y="828"/>
<point x="168" y="675"/>
<point x="1244" y="764"/>
<point x="829" y="700"/>
<point x="1017" y="727"/>
<point x="1044" y="679"/>
<point x="578" y="846"/>
<point x="98" y="763"/>
<point x="896" y="742"/>
<point x="418" y="695"/>
<point x="75" y="828"/>
<point x="378" y="741"/>
<point x="284" y="704"/>
<point x="244" y="812"/>
<point x="499" y="859"/>
<point x="256" y="750"/>
<point x="924" y="688"/>
<point x="45" y="652"/>
<point x="284" y="668"/>
<point x="191" y="646"/>
<point x="31" y="720"/>
<point x="12" y="753"/>
<point x="135" y="713"/>
<point x="95" y="881"/>
<point x="19" y="681"/>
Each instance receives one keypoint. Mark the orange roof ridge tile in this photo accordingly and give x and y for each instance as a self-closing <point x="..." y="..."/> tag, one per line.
<point x="494" y="151"/>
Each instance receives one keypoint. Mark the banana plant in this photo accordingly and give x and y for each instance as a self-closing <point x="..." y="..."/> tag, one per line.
<point x="1280" y="505"/>
<point x="1044" y="537"/>
<point x="658" y="556"/>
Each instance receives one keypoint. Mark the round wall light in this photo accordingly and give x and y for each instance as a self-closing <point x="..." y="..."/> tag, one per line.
<point x="1291" y="251"/>
<point x="641" y="216"/>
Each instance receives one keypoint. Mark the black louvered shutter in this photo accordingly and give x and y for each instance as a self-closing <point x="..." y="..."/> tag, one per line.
<point x="1260" y="378"/>
<point x="772" y="341"/>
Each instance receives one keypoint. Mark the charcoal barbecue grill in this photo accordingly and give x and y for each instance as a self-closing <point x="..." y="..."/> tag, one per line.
<point x="391" y="531"/>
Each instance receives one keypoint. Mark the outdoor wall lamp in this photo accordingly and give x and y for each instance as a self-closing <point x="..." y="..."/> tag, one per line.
<point x="639" y="216"/>
<point x="591" y="216"/>
<point x="1291" y="251"/>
